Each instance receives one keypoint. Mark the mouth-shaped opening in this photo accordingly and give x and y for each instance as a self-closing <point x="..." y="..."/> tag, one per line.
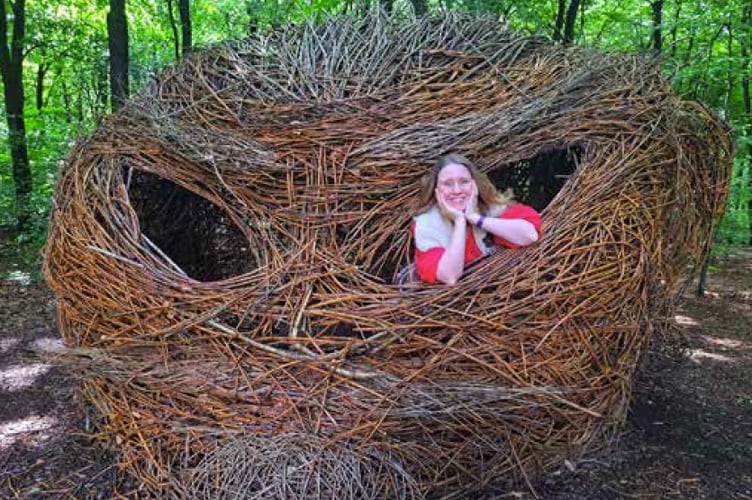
<point x="195" y="234"/>
<point x="536" y="181"/>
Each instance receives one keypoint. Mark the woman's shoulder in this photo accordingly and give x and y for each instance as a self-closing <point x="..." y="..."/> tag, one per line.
<point x="430" y="217"/>
<point x="497" y="209"/>
<point x="431" y="229"/>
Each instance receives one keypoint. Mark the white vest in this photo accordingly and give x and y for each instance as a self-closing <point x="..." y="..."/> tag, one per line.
<point x="433" y="230"/>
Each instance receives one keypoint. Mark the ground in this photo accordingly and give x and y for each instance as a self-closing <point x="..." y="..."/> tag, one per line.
<point x="688" y="435"/>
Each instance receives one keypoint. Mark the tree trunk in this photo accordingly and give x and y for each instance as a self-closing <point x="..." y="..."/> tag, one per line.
<point x="745" y="85"/>
<point x="117" y="31"/>
<point x="674" y="28"/>
<point x="11" y="66"/>
<point x="745" y="77"/>
<point x="730" y="72"/>
<point x="569" y="22"/>
<point x="80" y="103"/>
<point x="41" y="72"/>
<point x="582" y="18"/>
<point x="657" y="38"/>
<point x="681" y="84"/>
<point x="420" y="6"/>
<point x="559" y="23"/>
<point x="744" y="39"/>
<point x="744" y="42"/>
<point x="387" y="5"/>
<point x="703" y="278"/>
<point x="174" y="27"/>
<point x="99" y="101"/>
<point x="67" y="103"/>
<point x="184" y="8"/>
<point x="700" y="78"/>
<point x="252" y="12"/>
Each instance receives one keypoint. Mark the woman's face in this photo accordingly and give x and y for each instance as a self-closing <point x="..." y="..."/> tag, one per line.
<point x="455" y="184"/>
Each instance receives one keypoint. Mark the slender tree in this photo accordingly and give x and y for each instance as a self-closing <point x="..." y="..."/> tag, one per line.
<point x="67" y="105"/>
<point x="98" y="93"/>
<point x="657" y="35"/>
<point x="701" y="77"/>
<point x="184" y="8"/>
<point x="569" y="21"/>
<point x="117" y="31"/>
<point x="42" y="70"/>
<point x="174" y="28"/>
<point x="744" y="40"/>
<point x="582" y="19"/>
<point x="11" y="66"/>
<point x="675" y="27"/>
<point x="559" y="23"/>
<point x="420" y="6"/>
<point x="730" y="70"/>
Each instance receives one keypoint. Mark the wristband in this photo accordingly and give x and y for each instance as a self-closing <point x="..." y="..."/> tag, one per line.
<point x="479" y="222"/>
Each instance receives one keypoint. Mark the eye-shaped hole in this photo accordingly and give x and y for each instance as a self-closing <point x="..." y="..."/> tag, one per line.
<point x="190" y="230"/>
<point x="537" y="180"/>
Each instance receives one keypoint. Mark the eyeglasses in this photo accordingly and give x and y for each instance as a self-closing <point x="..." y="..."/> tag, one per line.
<point x="451" y="183"/>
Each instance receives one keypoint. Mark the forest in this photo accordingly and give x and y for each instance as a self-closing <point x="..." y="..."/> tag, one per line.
<point x="67" y="64"/>
<point x="681" y="421"/>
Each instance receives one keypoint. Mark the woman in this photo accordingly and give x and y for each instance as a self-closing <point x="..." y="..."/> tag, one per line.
<point x="463" y="218"/>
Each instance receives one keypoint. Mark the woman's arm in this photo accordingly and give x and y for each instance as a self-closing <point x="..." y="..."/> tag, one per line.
<point x="517" y="231"/>
<point x="452" y="263"/>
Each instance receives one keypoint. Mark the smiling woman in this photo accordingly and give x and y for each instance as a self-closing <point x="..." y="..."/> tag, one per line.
<point x="456" y="194"/>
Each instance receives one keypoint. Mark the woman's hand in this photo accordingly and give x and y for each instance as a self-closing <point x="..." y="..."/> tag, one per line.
<point x="471" y="208"/>
<point x="454" y="214"/>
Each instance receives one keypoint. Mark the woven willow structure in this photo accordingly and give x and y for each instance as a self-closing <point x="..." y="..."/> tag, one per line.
<point x="223" y="249"/>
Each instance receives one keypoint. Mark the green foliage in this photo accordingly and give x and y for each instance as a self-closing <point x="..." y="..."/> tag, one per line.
<point x="50" y="139"/>
<point x="734" y="229"/>
<point x="744" y="402"/>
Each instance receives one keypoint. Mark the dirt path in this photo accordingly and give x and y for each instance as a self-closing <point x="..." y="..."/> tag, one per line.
<point x="689" y="434"/>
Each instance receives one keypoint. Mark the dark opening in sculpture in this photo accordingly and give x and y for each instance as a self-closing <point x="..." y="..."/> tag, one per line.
<point x="191" y="231"/>
<point x="537" y="180"/>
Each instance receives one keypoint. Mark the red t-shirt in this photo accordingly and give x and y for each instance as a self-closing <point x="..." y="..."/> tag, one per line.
<point x="432" y="233"/>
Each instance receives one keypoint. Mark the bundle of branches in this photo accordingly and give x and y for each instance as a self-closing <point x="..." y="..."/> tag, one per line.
<point x="223" y="249"/>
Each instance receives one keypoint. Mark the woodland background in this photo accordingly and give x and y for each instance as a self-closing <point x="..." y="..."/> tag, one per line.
<point x="66" y="63"/>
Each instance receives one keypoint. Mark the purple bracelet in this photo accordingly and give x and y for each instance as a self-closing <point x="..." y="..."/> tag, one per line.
<point x="479" y="223"/>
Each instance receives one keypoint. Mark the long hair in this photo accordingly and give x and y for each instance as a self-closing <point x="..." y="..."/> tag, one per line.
<point x="487" y="193"/>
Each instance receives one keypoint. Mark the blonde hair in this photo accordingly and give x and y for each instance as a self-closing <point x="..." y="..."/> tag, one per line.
<point x="487" y="193"/>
